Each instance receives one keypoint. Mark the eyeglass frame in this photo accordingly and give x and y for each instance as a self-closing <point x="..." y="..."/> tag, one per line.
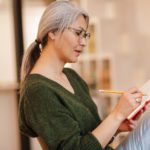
<point x="82" y="33"/>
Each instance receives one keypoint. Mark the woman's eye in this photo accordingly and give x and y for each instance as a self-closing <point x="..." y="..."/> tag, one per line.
<point x="78" y="33"/>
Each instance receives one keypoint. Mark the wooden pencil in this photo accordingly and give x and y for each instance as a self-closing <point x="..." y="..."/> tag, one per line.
<point x="115" y="92"/>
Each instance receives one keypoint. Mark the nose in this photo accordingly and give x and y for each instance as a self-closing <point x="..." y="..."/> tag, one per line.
<point x="83" y="42"/>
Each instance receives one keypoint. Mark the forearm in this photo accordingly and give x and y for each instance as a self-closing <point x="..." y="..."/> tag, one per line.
<point x="110" y="125"/>
<point x="107" y="129"/>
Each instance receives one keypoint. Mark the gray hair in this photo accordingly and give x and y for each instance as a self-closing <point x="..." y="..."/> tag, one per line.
<point x="57" y="16"/>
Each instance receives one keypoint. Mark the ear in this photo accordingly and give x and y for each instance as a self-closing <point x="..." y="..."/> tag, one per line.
<point x="51" y="35"/>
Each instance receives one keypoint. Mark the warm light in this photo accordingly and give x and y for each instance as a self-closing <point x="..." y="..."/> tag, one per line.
<point x="1" y="1"/>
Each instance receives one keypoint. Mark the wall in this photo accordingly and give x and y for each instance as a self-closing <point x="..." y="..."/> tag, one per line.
<point x="125" y="32"/>
<point x="7" y="50"/>
<point x="9" y="139"/>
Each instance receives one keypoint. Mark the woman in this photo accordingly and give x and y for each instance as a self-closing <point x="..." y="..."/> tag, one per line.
<point x="55" y="104"/>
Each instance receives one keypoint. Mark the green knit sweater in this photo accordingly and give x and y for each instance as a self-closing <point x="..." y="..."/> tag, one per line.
<point x="63" y="119"/>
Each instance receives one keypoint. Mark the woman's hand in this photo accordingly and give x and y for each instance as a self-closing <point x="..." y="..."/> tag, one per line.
<point x="127" y="125"/>
<point x="116" y="119"/>
<point x="127" y="103"/>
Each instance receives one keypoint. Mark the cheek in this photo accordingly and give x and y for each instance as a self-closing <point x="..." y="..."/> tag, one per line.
<point x="64" y="48"/>
<point x="68" y="43"/>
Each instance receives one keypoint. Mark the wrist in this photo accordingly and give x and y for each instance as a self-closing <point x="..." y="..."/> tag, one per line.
<point x="117" y="116"/>
<point x="112" y="139"/>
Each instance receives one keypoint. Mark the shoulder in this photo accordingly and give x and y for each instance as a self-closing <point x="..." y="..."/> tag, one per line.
<point x="38" y="94"/>
<point x="35" y="86"/>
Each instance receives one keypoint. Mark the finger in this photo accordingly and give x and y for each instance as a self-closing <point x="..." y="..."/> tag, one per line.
<point x="132" y="127"/>
<point x="133" y="90"/>
<point x="133" y="124"/>
<point x="137" y="95"/>
<point x="138" y="100"/>
<point x="132" y="121"/>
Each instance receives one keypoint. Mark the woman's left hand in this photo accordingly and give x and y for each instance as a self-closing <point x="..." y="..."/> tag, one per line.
<point x="127" y="125"/>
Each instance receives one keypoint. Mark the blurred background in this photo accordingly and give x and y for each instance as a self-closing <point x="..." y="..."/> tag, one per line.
<point x="116" y="57"/>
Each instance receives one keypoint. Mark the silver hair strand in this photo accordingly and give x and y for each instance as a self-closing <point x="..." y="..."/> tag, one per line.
<point x="57" y="16"/>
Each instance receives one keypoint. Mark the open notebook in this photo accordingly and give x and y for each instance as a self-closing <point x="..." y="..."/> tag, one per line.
<point x="145" y="100"/>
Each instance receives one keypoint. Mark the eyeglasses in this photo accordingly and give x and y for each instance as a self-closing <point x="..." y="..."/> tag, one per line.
<point x="80" y="33"/>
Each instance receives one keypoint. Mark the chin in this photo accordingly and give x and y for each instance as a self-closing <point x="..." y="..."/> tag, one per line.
<point x="73" y="60"/>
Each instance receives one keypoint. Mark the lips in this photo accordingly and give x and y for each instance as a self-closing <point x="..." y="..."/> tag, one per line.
<point x="78" y="52"/>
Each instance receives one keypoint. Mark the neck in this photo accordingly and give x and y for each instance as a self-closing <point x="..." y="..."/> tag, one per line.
<point x="49" y="64"/>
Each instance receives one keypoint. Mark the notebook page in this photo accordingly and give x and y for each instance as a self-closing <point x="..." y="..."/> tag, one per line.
<point x="146" y="90"/>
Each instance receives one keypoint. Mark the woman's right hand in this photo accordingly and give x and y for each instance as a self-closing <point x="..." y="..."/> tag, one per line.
<point x="115" y="120"/>
<point x="127" y="103"/>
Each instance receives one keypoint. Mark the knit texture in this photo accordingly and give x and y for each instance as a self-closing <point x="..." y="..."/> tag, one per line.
<point x="62" y="119"/>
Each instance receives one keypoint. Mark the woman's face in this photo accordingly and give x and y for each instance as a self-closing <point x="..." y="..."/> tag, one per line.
<point x="70" y="43"/>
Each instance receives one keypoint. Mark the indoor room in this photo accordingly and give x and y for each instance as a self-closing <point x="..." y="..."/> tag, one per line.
<point x="116" y="57"/>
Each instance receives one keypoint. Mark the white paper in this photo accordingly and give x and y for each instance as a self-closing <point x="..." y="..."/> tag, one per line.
<point x="146" y="90"/>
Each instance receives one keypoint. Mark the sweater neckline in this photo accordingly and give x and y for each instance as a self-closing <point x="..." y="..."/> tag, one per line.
<point x="56" y="83"/>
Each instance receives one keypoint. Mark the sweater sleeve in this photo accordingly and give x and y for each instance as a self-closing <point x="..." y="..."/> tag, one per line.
<point x="50" y="120"/>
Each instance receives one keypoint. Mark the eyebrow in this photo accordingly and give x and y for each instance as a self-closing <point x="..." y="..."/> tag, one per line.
<point x="83" y="29"/>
